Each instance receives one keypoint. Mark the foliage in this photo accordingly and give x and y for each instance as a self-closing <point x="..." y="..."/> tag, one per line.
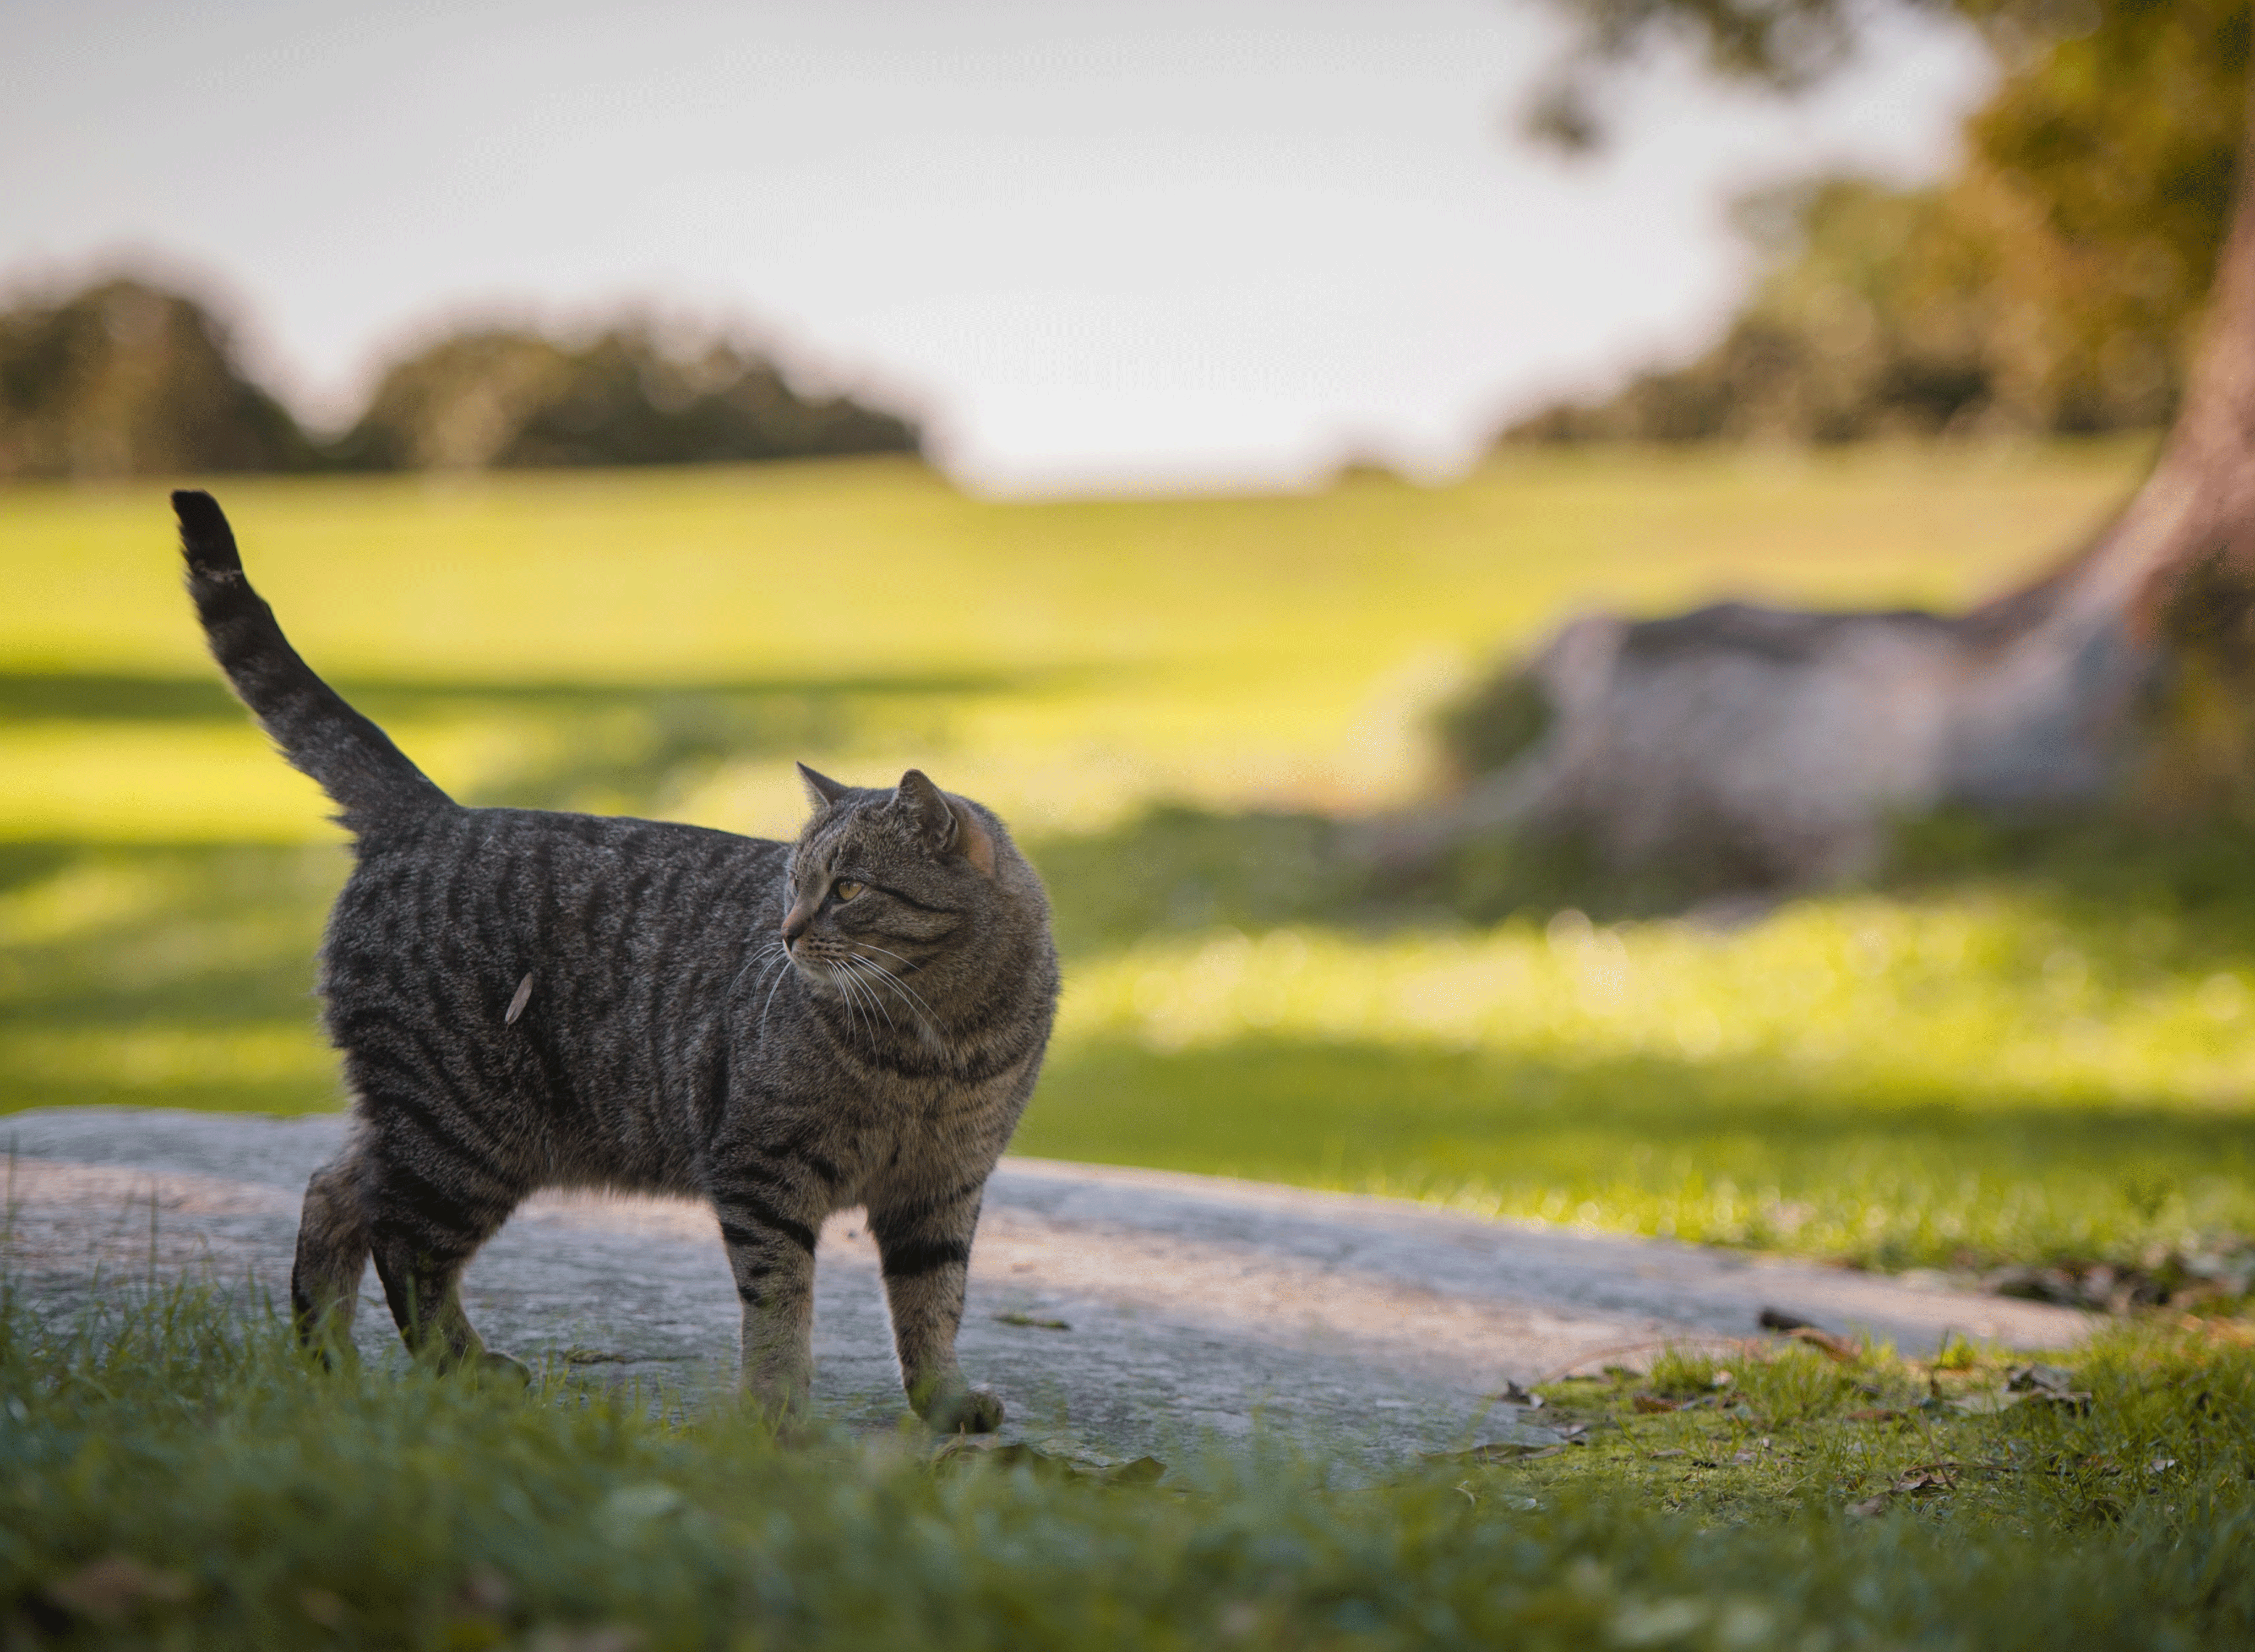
<point x="498" y="399"/>
<point x="125" y="379"/>
<point x="2055" y="284"/>
<point x="176" y="1475"/>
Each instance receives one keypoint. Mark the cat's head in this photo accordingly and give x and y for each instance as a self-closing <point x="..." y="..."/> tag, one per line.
<point x="915" y="881"/>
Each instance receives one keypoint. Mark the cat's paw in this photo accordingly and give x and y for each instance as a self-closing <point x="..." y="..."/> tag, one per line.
<point x="782" y="1399"/>
<point x="958" y="1410"/>
<point x="503" y="1368"/>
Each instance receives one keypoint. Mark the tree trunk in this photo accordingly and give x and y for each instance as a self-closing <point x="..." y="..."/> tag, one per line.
<point x="1743" y="746"/>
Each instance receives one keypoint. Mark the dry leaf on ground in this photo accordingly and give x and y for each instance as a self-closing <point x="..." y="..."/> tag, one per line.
<point x="1497" y="1451"/>
<point x="1840" y="1348"/>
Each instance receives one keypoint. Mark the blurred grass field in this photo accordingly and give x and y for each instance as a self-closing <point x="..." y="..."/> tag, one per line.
<point x="1992" y="1060"/>
<point x="174" y="1479"/>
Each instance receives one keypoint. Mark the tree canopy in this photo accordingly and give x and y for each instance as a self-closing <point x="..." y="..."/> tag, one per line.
<point x="125" y="378"/>
<point x="2056" y="282"/>
<point x="505" y="399"/>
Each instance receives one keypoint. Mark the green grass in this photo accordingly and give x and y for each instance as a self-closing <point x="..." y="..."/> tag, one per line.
<point x="2021" y="1048"/>
<point x="1938" y="1079"/>
<point x="176" y="1475"/>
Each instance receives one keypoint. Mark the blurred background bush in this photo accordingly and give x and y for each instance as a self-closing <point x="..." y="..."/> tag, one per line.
<point x="124" y="378"/>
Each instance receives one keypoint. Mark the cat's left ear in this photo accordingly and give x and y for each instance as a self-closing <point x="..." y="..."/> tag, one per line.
<point x="946" y="825"/>
<point x="821" y="790"/>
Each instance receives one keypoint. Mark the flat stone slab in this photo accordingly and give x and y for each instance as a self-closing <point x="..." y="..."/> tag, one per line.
<point x="1119" y="1311"/>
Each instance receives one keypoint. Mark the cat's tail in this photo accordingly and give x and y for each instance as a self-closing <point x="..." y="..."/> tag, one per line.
<point x="370" y="778"/>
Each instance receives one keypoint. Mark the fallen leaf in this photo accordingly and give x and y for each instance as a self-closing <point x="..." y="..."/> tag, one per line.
<point x="1082" y="1466"/>
<point x="1032" y="1322"/>
<point x="1496" y="1452"/>
<point x="2040" y="1379"/>
<point x="1926" y="1477"/>
<point x="111" y="1590"/>
<point x="1985" y="1402"/>
<point x="1869" y="1507"/>
<point x="1840" y="1348"/>
<point x="1650" y="1403"/>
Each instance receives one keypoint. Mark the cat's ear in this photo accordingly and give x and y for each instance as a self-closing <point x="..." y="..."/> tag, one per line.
<point x="946" y="825"/>
<point x="821" y="790"/>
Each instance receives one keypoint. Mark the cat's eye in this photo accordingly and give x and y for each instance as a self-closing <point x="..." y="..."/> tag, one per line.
<point x="847" y="888"/>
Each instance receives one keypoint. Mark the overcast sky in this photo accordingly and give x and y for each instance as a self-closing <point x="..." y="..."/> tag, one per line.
<point x="1100" y="243"/>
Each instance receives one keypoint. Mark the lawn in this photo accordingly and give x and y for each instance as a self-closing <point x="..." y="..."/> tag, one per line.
<point x="2009" y="1052"/>
<point x="174" y="1474"/>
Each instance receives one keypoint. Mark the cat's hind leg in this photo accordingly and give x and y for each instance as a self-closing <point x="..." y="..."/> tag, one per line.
<point x="432" y="1201"/>
<point x="333" y="1244"/>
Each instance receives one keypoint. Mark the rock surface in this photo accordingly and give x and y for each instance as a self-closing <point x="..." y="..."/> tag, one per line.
<point x="1121" y="1312"/>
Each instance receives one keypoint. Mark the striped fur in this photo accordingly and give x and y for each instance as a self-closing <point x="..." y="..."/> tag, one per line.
<point x="528" y="1000"/>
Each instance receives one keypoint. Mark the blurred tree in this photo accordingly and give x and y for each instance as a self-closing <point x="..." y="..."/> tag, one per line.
<point x="126" y="379"/>
<point x="2055" y="284"/>
<point x="1744" y="744"/>
<point x="500" y="399"/>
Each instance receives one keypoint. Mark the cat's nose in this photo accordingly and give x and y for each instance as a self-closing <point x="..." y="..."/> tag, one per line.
<point x="794" y="924"/>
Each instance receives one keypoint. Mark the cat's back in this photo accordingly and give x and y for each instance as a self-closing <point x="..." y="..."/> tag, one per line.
<point x="460" y="905"/>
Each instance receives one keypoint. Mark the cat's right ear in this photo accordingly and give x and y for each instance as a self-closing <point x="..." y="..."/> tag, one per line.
<point x="821" y="790"/>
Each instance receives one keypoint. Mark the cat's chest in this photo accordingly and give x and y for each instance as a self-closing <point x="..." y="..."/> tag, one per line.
<point x="933" y="1131"/>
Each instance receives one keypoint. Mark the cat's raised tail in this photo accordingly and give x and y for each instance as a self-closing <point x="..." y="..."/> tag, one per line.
<point x="355" y="763"/>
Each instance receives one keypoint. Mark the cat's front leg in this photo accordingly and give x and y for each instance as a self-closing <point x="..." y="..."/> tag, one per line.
<point x="771" y="1254"/>
<point x="924" y="1250"/>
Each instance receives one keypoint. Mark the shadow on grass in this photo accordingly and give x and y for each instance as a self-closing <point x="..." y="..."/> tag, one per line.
<point x="2127" y="895"/>
<point x="616" y="747"/>
<point x="164" y="976"/>
<point x="1743" y="1152"/>
<point x="131" y="697"/>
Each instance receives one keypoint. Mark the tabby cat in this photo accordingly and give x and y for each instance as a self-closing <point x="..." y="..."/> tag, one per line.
<point x="528" y="1000"/>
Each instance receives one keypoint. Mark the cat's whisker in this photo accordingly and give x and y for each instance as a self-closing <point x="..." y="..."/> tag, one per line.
<point x="858" y="969"/>
<point x="783" y="974"/>
<point x="889" y="952"/>
<point x="863" y="996"/>
<point x="757" y="954"/>
<point x="845" y="985"/>
<point x="914" y="1004"/>
<point x="910" y="994"/>
<point x="871" y="968"/>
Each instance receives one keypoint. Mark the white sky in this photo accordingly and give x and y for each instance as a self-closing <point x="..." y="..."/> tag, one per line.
<point x="1100" y="243"/>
